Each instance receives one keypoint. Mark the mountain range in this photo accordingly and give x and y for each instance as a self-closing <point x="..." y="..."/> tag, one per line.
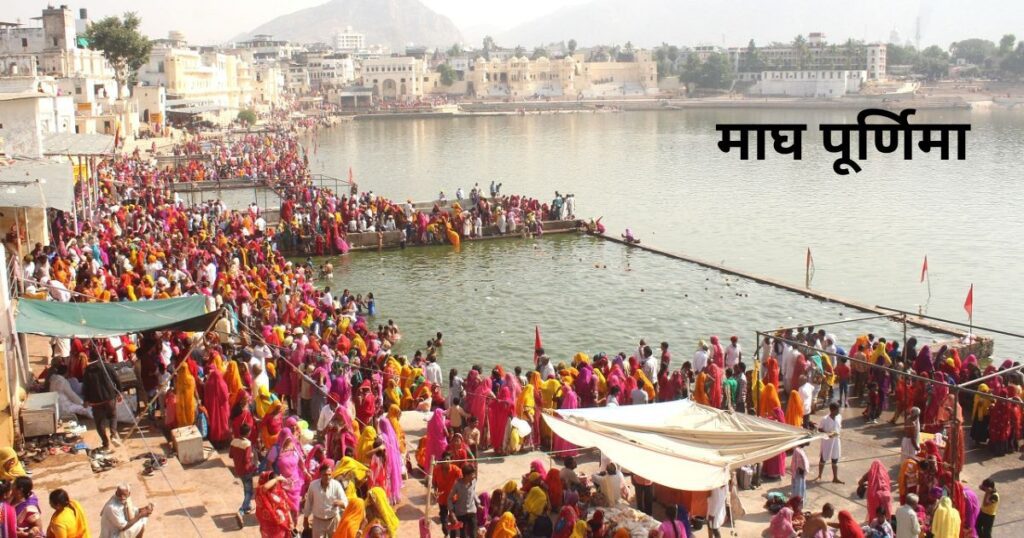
<point x="647" y="23"/>
<point x="396" y="23"/>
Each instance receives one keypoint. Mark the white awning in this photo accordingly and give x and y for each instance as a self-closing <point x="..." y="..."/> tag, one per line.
<point x="678" y="444"/>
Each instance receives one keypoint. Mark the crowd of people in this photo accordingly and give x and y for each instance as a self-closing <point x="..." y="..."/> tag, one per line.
<point x="302" y="388"/>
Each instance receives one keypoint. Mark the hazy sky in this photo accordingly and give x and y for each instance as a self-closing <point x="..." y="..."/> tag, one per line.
<point x="214" y="21"/>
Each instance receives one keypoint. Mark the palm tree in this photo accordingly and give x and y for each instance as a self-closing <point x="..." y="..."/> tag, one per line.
<point x="802" y="52"/>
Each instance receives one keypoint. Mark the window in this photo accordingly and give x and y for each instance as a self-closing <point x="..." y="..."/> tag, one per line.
<point x="78" y="90"/>
<point x="24" y="42"/>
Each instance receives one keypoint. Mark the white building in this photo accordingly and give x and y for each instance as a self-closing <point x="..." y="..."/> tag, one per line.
<point x="806" y="83"/>
<point x="348" y="40"/>
<point x="264" y="48"/>
<point x="330" y="70"/>
<point x="50" y="49"/>
<point x="816" y="55"/>
<point x="211" y="84"/>
<point x="30" y="109"/>
<point x="399" y="78"/>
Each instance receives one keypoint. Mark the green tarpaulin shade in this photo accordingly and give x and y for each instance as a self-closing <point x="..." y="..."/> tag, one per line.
<point x="101" y="320"/>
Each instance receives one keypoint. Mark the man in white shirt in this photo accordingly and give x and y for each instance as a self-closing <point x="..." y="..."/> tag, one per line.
<point x="324" y="500"/>
<point x="716" y="511"/>
<point x="609" y="483"/>
<point x="733" y="352"/>
<point x="907" y="524"/>
<point x="700" y="358"/>
<point x="831" y="446"/>
<point x="58" y="291"/>
<point x="806" y="391"/>
<point x="546" y="370"/>
<point x="639" y="396"/>
<point x="432" y="372"/>
<point x="650" y="364"/>
<point x="120" y="519"/>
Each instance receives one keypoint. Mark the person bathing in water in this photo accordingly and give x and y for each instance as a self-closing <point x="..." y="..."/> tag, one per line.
<point x="628" y="237"/>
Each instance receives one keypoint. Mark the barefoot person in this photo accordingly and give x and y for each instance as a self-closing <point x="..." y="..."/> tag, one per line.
<point x="831" y="447"/>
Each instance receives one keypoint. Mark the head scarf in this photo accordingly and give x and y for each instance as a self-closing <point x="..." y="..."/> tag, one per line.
<point x="879" y="492"/>
<point x="8" y="455"/>
<point x="505" y="527"/>
<point x="566" y="523"/>
<point x="384" y="510"/>
<point x="351" y="519"/>
<point x="769" y="401"/>
<point x="945" y="520"/>
<point x="782" y="524"/>
<point x="437" y="436"/>
<point x="365" y="444"/>
<point x="536" y="502"/>
<point x="848" y="527"/>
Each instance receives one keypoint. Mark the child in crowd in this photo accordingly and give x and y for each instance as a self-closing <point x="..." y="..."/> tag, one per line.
<point x="843" y="374"/>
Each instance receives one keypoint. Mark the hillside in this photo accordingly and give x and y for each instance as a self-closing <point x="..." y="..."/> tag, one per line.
<point x="734" y="22"/>
<point x="395" y="23"/>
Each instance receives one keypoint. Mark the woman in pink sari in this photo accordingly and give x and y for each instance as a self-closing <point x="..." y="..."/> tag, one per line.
<point x="715" y="391"/>
<point x="476" y="398"/>
<point x="287" y="460"/>
<point x="437" y="437"/>
<point x="501" y="410"/>
<point x="215" y="399"/>
<point x="392" y="459"/>
<point x="569" y="401"/>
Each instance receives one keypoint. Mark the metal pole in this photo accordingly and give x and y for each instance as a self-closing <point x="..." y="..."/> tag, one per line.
<point x="904" y="333"/>
<point x="990" y="376"/>
<point x="951" y="322"/>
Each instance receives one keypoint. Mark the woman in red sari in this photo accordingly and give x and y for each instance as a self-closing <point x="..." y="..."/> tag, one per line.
<point x="771" y="371"/>
<point x="554" y="483"/>
<point x="272" y="508"/>
<point x="879" y="490"/>
<point x="714" y="391"/>
<point x="215" y="399"/>
<point x="366" y="404"/>
<point x="500" y="413"/>
<point x="240" y="414"/>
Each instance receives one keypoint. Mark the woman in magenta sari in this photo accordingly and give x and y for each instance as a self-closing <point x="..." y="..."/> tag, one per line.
<point x="569" y="401"/>
<point x="287" y="460"/>
<point x="437" y="436"/>
<point x="585" y="386"/>
<point x="775" y="467"/>
<point x="715" y="394"/>
<point x="512" y="382"/>
<point x="501" y="411"/>
<point x="215" y="399"/>
<point x="392" y="459"/>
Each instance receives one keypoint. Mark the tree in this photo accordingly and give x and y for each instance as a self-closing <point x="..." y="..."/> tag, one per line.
<point x="124" y="47"/>
<point x="572" y="47"/>
<point x="519" y="51"/>
<point x="447" y="73"/>
<point x="456" y="50"/>
<point x="803" y="53"/>
<point x="716" y="72"/>
<point x="538" y="53"/>
<point x="247" y="116"/>
<point x="1006" y="44"/>
<point x="752" y="61"/>
<point x="900" y="54"/>
<point x="933" y="63"/>
<point x="489" y="45"/>
<point x="974" y="51"/>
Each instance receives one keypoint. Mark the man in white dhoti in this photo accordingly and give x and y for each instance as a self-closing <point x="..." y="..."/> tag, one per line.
<point x="120" y="518"/>
<point x="831" y="447"/>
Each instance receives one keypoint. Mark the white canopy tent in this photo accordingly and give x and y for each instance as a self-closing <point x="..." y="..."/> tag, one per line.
<point x="678" y="444"/>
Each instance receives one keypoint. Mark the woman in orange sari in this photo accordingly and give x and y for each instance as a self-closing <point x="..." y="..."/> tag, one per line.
<point x="795" y="409"/>
<point x="185" y="397"/>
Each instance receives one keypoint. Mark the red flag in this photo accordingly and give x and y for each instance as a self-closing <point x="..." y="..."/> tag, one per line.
<point x="536" y="343"/>
<point x="924" y="269"/>
<point x="969" y="303"/>
<point x="350" y="174"/>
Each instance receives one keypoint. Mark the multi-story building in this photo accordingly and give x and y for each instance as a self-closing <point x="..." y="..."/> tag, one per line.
<point x="330" y="70"/>
<point x="805" y="83"/>
<point x="570" y="76"/>
<point x="51" y="49"/>
<point x="263" y="48"/>
<point x="399" y="78"/>
<point x="210" y="84"/>
<point x="32" y="107"/>
<point x="814" y="55"/>
<point x="348" y="40"/>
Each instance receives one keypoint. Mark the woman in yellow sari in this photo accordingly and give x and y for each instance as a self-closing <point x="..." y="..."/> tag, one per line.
<point x="233" y="380"/>
<point x="383" y="511"/>
<point x="505" y="527"/>
<point x="351" y="519"/>
<point x="68" y="520"/>
<point x="263" y="401"/>
<point x="394" y="416"/>
<point x="185" y="397"/>
<point x="536" y="504"/>
<point x="364" y="446"/>
<point x="645" y="384"/>
<point x="10" y="466"/>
